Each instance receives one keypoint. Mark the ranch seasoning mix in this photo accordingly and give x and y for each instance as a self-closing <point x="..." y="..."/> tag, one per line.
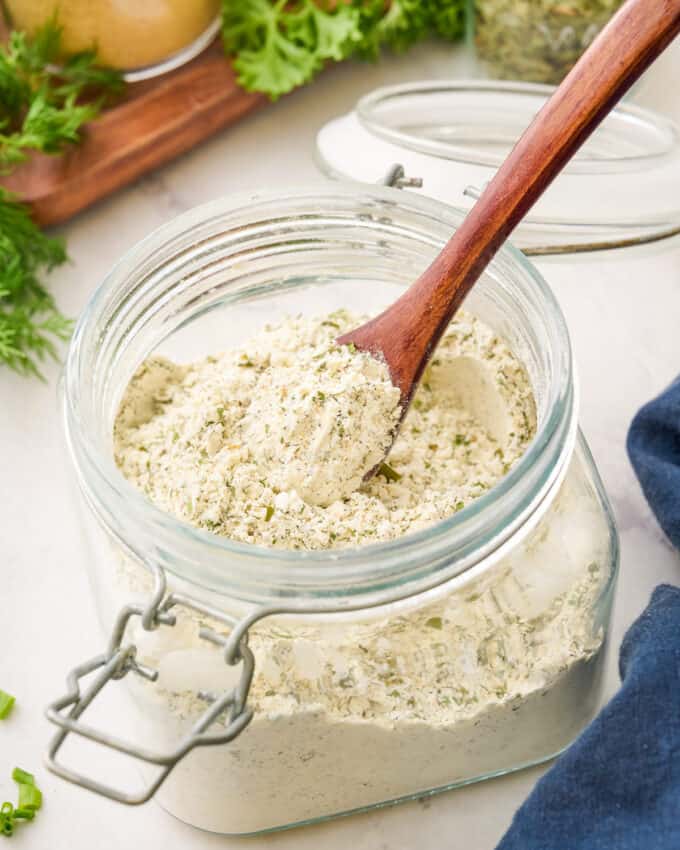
<point x="268" y="443"/>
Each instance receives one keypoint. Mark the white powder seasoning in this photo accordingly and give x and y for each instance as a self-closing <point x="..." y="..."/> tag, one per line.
<point x="496" y="672"/>
<point x="269" y="443"/>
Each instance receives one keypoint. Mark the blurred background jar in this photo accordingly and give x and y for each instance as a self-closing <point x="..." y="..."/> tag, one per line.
<point x="536" y="40"/>
<point x="142" y="38"/>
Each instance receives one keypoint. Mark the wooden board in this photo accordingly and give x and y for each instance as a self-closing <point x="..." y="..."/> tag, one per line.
<point x="156" y="120"/>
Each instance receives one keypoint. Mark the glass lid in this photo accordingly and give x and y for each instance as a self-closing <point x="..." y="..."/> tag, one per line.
<point x="622" y="188"/>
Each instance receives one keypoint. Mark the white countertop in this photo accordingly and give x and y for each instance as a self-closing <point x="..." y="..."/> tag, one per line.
<point x="622" y="309"/>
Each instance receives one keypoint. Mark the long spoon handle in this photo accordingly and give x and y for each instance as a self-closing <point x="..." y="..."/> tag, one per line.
<point x="409" y="330"/>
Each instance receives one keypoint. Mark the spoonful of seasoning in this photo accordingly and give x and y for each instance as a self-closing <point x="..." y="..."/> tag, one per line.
<point x="406" y="334"/>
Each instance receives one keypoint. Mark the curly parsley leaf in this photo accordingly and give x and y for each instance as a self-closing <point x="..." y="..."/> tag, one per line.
<point x="405" y="22"/>
<point x="329" y="34"/>
<point x="281" y="45"/>
<point x="278" y="45"/>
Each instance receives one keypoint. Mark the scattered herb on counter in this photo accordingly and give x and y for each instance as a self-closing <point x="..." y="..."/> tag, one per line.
<point x="278" y="45"/>
<point x="6" y="704"/>
<point x="41" y="109"/>
<point x="537" y="40"/>
<point x="30" y="801"/>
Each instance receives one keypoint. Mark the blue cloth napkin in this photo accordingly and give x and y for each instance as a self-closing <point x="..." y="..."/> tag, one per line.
<point x="654" y="449"/>
<point x="618" y="786"/>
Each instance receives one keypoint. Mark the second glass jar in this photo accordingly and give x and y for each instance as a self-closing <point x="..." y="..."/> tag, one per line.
<point x="536" y="40"/>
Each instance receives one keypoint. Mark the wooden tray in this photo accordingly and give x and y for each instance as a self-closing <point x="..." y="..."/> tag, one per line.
<point x="156" y="120"/>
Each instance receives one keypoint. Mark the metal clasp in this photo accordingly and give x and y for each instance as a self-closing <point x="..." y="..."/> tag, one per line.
<point x="118" y="661"/>
<point x="396" y="177"/>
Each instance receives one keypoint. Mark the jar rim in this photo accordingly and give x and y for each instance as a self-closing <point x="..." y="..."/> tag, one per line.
<point x="420" y="559"/>
<point x="658" y="136"/>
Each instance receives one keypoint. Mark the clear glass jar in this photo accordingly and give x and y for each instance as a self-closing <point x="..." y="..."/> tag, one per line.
<point x="536" y="40"/>
<point x="450" y="655"/>
<point x="622" y="188"/>
<point x="141" y="39"/>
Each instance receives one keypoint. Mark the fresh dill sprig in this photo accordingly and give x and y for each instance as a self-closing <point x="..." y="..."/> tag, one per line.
<point x="43" y="106"/>
<point x="30" y="323"/>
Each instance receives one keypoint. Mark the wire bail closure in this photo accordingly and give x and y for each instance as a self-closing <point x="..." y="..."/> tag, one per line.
<point x="119" y="660"/>
<point x="396" y="177"/>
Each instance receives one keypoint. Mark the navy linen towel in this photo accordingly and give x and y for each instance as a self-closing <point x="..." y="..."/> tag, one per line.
<point x="618" y="786"/>
<point x="654" y="449"/>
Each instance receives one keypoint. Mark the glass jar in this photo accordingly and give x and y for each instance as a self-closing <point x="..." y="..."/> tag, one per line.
<point x="622" y="188"/>
<point x="450" y="655"/>
<point x="536" y="40"/>
<point x="141" y="39"/>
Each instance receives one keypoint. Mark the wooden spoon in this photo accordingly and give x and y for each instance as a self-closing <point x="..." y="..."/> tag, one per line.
<point x="407" y="333"/>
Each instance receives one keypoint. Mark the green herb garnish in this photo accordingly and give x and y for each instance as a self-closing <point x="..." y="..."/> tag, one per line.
<point x="281" y="44"/>
<point x="30" y="323"/>
<point x="6" y="704"/>
<point x="434" y="623"/>
<point x="23" y="814"/>
<point x="41" y="109"/>
<point x="22" y="777"/>
<point x="30" y="801"/>
<point x="269" y="513"/>
<point x="30" y="797"/>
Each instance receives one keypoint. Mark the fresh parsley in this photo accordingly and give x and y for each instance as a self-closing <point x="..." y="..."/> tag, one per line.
<point x="278" y="45"/>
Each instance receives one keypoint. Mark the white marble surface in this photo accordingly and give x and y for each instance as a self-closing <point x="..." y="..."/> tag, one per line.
<point x="623" y="311"/>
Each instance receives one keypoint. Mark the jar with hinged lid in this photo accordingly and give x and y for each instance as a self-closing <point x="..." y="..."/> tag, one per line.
<point x="273" y="687"/>
<point x="622" y="187"/>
